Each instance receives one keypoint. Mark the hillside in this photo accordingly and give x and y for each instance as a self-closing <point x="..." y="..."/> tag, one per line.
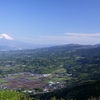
<point x="76" y="59"/>
<point x="76" y="68"/>
<point x="88" y="91"/>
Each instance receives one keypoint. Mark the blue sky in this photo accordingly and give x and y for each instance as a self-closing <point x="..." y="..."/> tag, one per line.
<point x="51" y="21"/>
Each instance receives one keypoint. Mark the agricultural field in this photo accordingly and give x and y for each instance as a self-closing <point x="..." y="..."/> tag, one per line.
<point x="27" y="80"/>
<point x="22" y="81"/>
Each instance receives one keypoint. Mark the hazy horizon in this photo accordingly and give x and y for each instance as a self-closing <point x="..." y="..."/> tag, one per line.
<point x="51" y="21"/>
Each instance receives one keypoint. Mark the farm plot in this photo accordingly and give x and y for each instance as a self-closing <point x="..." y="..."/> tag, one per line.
<point x="24" y="83"/>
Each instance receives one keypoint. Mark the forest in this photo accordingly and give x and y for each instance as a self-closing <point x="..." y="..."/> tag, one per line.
<point x="77" y="66"/>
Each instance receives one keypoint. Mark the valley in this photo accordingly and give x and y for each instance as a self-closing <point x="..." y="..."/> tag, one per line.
<point x="51" y="69"/>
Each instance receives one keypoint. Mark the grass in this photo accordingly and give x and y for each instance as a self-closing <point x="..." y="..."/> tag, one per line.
<point x="31" y="78"/>
<point x="2" y="81"/>
<point x="58" y="79"/>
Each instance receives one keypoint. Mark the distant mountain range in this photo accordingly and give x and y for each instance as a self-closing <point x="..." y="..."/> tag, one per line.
<point x="8" y="43"/>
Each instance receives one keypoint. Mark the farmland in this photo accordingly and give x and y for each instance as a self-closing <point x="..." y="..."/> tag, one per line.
<point x="49" y="69"/>
<point x="29" y="81"/>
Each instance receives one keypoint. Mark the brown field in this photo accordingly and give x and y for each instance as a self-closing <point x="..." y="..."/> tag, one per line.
<point x="25" y="83"/>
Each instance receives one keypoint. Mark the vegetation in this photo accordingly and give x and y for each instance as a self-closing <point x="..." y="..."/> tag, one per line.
<point x="87" y="91"/>
<point x="76" y="65"/>
<point x="13" y="95"/>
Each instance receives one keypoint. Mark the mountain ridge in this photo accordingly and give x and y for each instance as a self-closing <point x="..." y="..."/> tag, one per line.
<point x="9" y="43"/>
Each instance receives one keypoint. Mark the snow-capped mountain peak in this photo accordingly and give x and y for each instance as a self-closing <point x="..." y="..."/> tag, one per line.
<point x="5" y="36"/>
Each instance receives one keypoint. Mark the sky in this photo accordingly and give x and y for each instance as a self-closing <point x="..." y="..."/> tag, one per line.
<point x="51" y="21"/>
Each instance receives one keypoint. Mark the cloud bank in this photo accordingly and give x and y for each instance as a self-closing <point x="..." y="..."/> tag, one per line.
<point x="79" y="38"/>
<point x="94" y="35"/>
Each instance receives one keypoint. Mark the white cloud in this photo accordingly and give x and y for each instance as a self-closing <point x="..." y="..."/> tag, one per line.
<point x="94" y="35"/>
<point x="79" y="38"/>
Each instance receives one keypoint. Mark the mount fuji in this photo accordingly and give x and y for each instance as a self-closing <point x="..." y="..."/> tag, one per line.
<point x="8" y="43"/>
<point x="5" y="36"/>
